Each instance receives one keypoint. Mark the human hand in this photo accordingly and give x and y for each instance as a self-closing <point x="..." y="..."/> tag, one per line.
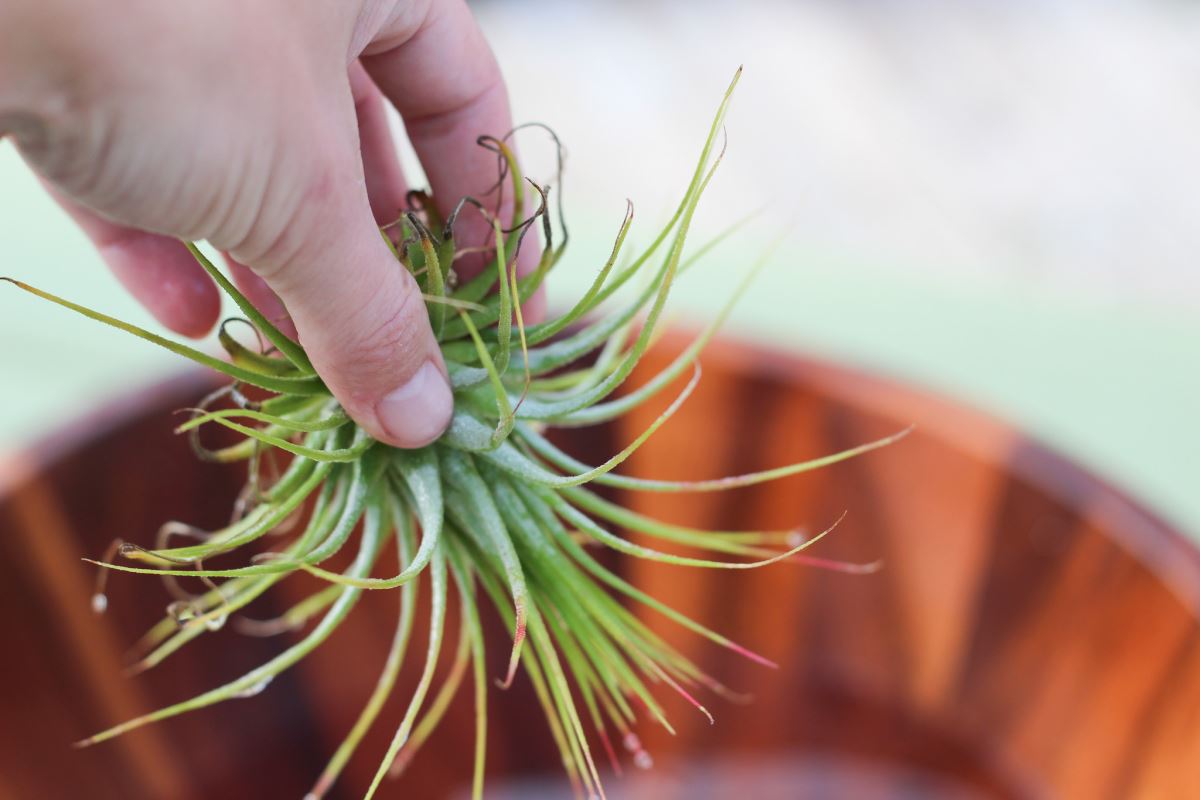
<point x="260" y="127"/>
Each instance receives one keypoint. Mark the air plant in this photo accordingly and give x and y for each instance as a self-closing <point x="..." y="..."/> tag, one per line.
<point x="491" y="510"/>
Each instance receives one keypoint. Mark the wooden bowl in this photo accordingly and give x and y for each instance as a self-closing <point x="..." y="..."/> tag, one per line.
<point x="1032" y="633"/>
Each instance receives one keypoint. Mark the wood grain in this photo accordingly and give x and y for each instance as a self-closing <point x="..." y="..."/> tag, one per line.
<point x="1033" y="633"/>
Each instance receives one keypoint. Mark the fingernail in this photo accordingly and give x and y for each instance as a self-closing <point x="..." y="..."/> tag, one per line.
<point x="416" y="413"/>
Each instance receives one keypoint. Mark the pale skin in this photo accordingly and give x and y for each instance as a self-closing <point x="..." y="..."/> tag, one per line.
<point x="260" y="128"/>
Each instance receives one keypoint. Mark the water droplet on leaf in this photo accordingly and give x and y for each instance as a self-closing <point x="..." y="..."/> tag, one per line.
<point x="181" y="611"/>
<point x="254" y="689"/>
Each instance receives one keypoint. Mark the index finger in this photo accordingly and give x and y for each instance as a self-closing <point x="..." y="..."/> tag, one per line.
<point x="444" y="81"/>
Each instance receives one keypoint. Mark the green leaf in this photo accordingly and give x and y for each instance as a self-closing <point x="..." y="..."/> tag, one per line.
<point x="290" y="350"/>
<point x="387" y="677"/>
<point x="437" y="618"/>
<point x="548" y="451"/>
<point x="273" y="383"/>
<point x="479" y="514"/>
<point x="256" y="679"/>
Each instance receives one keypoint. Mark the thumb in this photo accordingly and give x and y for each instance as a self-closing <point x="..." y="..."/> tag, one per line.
<point x="358" y="312"/>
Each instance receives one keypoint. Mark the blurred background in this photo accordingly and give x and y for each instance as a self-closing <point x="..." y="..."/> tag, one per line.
<point x="997" y="202"/>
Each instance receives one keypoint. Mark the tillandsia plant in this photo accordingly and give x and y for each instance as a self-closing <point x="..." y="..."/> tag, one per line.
<point x="492" y="510"/>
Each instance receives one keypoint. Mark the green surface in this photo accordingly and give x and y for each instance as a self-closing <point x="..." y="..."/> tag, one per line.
<point x="1116" y="386"/>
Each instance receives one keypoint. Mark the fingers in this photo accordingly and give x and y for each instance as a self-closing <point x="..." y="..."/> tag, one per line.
<point x="386" y="190"/>
<point x="157" y="270"/>
<point x="364" y="325"/>
<point x="358" y="313"/>
<point x="329" y="278"/>
<point x="446" y="107"/>
<point x="445" y="110"/>
<point x="386" y="187"/>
